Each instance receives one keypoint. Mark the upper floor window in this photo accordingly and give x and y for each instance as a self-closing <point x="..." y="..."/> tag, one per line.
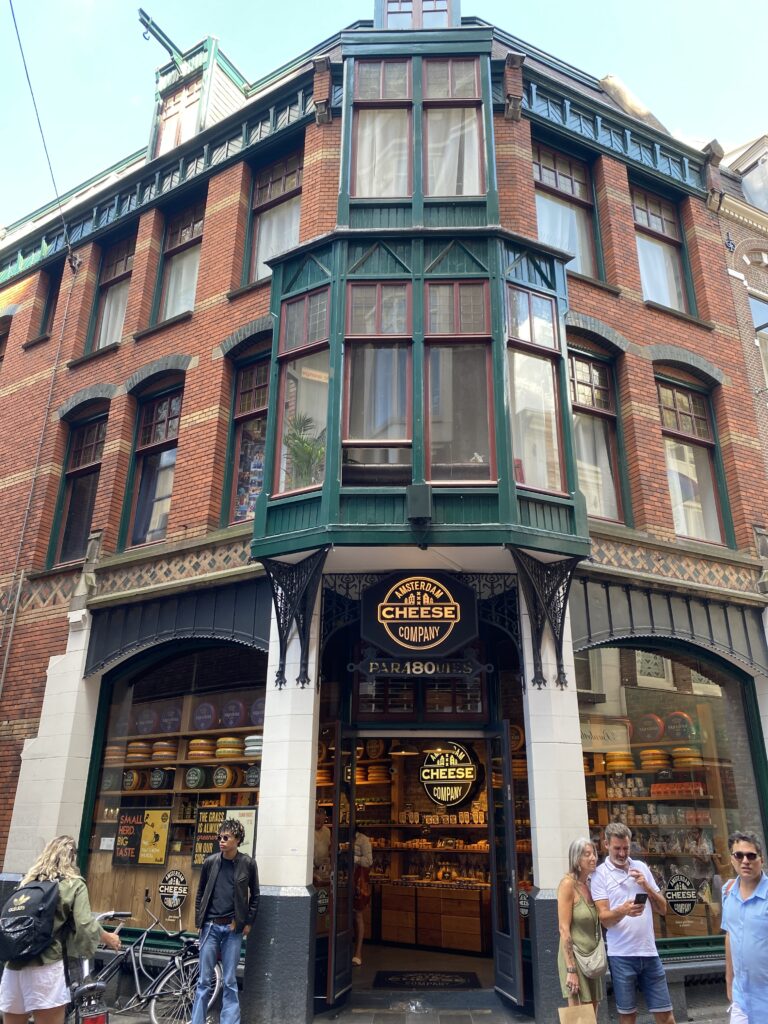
<point x="759" y="309"/>
<point x="51" y="298"/>
<point x="457" y="307"/>
<point x="4" y="331"/>
<point x="178" y="117"/>
<point x="159" y="419"/>
<point x="594" y="434"/>
<point x="86" y="447"/>
<point x="564" y="206"/>
<point x="689" y="445"/>
<point x="453" y="128"/>
<point x="382" y="128"/>
<point x="251" y="404"/>
<point x="181" y="260"/>
<point x="112" y="297"/>
<point x="410" y="14"/>
<point x="659" y="250"/>
<point x="303" y="397"/>
<point x="534" y="393"/>
<point x="276" y="212"/>
<point x="379" y="309"/>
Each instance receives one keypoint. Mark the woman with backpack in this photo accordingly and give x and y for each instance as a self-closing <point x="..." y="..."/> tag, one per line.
<point x="36" y="985"/>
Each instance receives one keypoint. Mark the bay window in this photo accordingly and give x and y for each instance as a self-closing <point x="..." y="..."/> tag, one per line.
<point x="534" y="393"/>
<point x="159" y="419"/>
<point x="458" y="421"/>
<point x="594" y="434"/>
<point x="452" y="128"/>
<point x="276" y="212"/>
<point x="415" y="14"/>
<point x="181" y="260"/>
<point x="564" y="206"/>
<point x="689" y="450"/>
<point x="86" y="447"/>
<point x="251" y="404"/>
<point x="382" y="129"/>
<point x="114" y="280"/>
<point x="303" y="402"/>
<point x="659" y="250"/>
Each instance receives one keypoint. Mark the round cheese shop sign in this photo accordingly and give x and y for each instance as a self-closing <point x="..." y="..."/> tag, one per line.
<point x="449" y="774"/>
<point x="173" y="889"/>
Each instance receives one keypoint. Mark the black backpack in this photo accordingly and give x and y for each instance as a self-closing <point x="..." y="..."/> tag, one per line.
<point x="26" y="920"/>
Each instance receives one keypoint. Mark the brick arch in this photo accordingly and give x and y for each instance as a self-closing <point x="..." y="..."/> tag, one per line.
<point x="686" y="360"/>
<point x="597" y="330"/>
<point x="245" y="333"/>
<point x="166" y="364"/>
<point x="85" y="395"/>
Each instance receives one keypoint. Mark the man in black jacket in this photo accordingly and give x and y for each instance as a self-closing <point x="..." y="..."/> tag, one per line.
<point x="225" y="909"/>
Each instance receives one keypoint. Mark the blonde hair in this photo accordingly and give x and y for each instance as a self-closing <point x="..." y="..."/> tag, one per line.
<point x="58" y="860"/>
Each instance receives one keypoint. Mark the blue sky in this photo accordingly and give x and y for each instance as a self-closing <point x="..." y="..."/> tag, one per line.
<point x="93" y="73"/>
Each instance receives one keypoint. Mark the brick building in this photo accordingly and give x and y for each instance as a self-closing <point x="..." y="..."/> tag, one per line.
<point x="381" y="438"/>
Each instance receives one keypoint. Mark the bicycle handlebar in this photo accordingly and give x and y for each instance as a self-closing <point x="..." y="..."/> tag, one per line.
<point x="121" y="915"/>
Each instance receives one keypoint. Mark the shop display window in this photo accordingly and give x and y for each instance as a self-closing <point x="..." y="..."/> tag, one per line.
<point x="666" y="752"/>
<point x="425" y="700"/>
<point x="181" y="751"/>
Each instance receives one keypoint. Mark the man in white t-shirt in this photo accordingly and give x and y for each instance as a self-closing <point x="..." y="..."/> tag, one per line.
<point x="624" y="893"/>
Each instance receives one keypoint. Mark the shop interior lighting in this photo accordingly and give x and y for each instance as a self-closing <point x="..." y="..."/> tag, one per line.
<point x="399" y="749"/>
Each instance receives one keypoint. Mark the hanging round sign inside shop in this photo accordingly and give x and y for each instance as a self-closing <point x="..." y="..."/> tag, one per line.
<point x="524" y="900"/>
<point x="173" y="889"/>
<point x="680" y="895"/>
<point x="449" y="774"/>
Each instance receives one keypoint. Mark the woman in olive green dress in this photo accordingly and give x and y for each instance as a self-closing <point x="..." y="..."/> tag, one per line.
<point x="579" y="925"/>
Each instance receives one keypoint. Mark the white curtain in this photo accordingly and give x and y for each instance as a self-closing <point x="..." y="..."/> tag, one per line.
<point x="453" y="155"/>
<point x="592" y="440"/>
<point x="534" y="422"/>
<point x="660" y="272"/>
<point x="566" y="227"/>
<point x="692" y="491"/>
<point x="381" y="155"/>
<point x="182" y="282"/>
<point x="277" y="231"/>
<point x="113" y="314"/>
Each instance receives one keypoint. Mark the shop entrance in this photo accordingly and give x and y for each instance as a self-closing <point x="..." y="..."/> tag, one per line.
<point x="422" y="883"/>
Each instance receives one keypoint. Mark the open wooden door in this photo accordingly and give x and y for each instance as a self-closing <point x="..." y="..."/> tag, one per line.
<point x="341" y="938"/>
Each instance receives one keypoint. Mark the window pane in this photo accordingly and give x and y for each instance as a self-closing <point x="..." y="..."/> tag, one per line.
<point x="181" y="282"/>
<point x="759" y="308"/>
<point x="110" y="326"/>
<point x="277" y="230"/>
<point x="294" y="325"/>
<point x="381" y="154"/>
<point x="304" y="419"/>
<point x="317" y="316"/>
<point x="441" y="309"/>
<point x="459" y="435"/>
<point x="82" y="497"/>
<point x="535" y="437"/>
<point x="660" y="272"/>
<point x="568" y="227"/>
<point x="519" y="315"/>
<point x="249" y="471"/>
<point x="363" y="312"/>
<point x="253" y="387"/>
<point x="437" y="85"/>
<point x="453" y="152"/>
<point x="593" y="441"/>
<point x="368" y="80"/>
<point x="472" y="318"/>
<point x="393" y="309"/>
<point x="154" y="501"/>
<point x="692" y="491"/>
<point x="378" y="392"/>
<point x="543" y="321"/>
<point x="87" y="444"/>
<point x="463" y="78"/>
<point x="395" y="80"/>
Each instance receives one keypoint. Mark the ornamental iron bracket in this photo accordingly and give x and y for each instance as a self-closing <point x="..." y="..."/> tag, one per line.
<point x="546" y="586"/>
<point x="294" y="588"/>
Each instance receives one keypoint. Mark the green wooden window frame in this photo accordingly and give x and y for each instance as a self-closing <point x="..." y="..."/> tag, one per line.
<point x="114" y="272"/>
<point x="657" y="221"/>
<point x="85" y="449"/>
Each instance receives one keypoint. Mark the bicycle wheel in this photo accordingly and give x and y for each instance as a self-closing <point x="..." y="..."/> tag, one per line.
<point x="172" y="1002"/>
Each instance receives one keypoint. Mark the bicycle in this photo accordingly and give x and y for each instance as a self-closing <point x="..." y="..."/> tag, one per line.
<point x="169" y="994"/>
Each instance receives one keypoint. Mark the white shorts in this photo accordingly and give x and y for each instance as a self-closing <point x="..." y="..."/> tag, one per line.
<point x="33" y="988"/>
<point x="737" y="1015"/>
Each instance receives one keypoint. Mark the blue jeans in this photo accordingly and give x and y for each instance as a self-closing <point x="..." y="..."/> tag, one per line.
<point x="628" y="973"/>
<point x="215" y="939"/>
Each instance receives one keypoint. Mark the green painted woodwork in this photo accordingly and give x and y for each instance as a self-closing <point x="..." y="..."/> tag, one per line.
<point x="523" y="266"/>
<point x="465" y="508"/>
<point x="295" y="514"/>
<point x="373" y="508"/>
<point x="456" y="256"/>
<point x="455" y="214"/>
<point x="380" y="259"/>
<point x="546" y="514"/>
<point x="94" y="769"/>
<point x="307" y="271"/>
<point x="757" y="744"/>
<point x="381" y="216"/>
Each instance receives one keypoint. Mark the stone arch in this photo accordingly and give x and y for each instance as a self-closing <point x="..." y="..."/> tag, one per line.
<point x="676" y="356"/>
<point x="247" y="332"/>
<point x="93" y="393"/>
<point x="165" y="364"/>
<point x="597" y="330"/>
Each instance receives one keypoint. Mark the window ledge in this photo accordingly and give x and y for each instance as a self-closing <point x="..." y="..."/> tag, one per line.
<point x="36" y="341"/>
<point x="595" y="282"/>
<point x="155" y="328"/>
<point x="250" y="287"/>
<point x="679" y="315"/>
<point x="96" y="354"/>
<point x="57" y="569"/>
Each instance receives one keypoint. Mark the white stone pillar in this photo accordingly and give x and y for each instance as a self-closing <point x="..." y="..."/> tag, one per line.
<point x="54" y="765"/>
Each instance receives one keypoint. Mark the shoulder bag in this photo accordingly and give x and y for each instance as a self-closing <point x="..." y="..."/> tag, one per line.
<point x="595" y="963"/>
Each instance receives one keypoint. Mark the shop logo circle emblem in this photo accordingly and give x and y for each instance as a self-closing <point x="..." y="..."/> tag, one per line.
<point x="418" y="613"/>
<point x="681" y="895"/>
<point x="449" y="774"/>
<point x="173" y="889"/>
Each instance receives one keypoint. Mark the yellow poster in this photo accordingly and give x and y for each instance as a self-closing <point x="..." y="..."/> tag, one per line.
<point x="154" y="835"/>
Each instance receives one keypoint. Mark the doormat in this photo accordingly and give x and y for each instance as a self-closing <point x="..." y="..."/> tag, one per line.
<point x="426" y="979"/>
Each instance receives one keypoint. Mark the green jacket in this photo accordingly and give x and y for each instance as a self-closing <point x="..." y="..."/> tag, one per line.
<point x="83" y="934"/>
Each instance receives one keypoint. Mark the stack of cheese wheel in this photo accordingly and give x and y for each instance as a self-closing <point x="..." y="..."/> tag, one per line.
<point x="619" y="761"/>
<point x="226" y="776"/>
<point x="324" y="776"/>
<point x="201" y="750"/>
<point x="138" y="750"/>
<point x="114" y="753"/>
<point x="519" y="768"/>
<point x="361" y="773"/>
<point x="165" y="750"/>
<point x="687" y="757"/>
<point x="378" y="773"/>
<point x="228" y="747"/>
<point x="253" y="745"/>
<point x="653" y="759"/>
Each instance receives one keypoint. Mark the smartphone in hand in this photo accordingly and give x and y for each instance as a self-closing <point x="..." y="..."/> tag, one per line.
<point x="641" y="897"/>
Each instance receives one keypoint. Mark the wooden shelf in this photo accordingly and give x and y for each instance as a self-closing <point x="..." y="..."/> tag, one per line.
<point x="428" y="849"/>
<point x="229" y="789"/>
<point x="647" y="799"/>
<point x="392" y="824"/>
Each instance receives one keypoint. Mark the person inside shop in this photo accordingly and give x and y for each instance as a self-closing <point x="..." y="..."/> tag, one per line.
<point x="321" y="861"/>
<point x="625" y="894"/>
<point x="362" y="891"/>
<point x="225" y="909"/>
<point x="745" y="923"/>
<point x="38" y="987"/>
<point x="579" y="926"/>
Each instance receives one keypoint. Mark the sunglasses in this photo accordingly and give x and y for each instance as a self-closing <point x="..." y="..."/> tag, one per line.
<point x="224" y="838"/>
<point x="750" y="855"/>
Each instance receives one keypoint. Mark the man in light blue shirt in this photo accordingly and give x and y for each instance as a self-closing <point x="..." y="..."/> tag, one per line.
<point x="745" y="923"/>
